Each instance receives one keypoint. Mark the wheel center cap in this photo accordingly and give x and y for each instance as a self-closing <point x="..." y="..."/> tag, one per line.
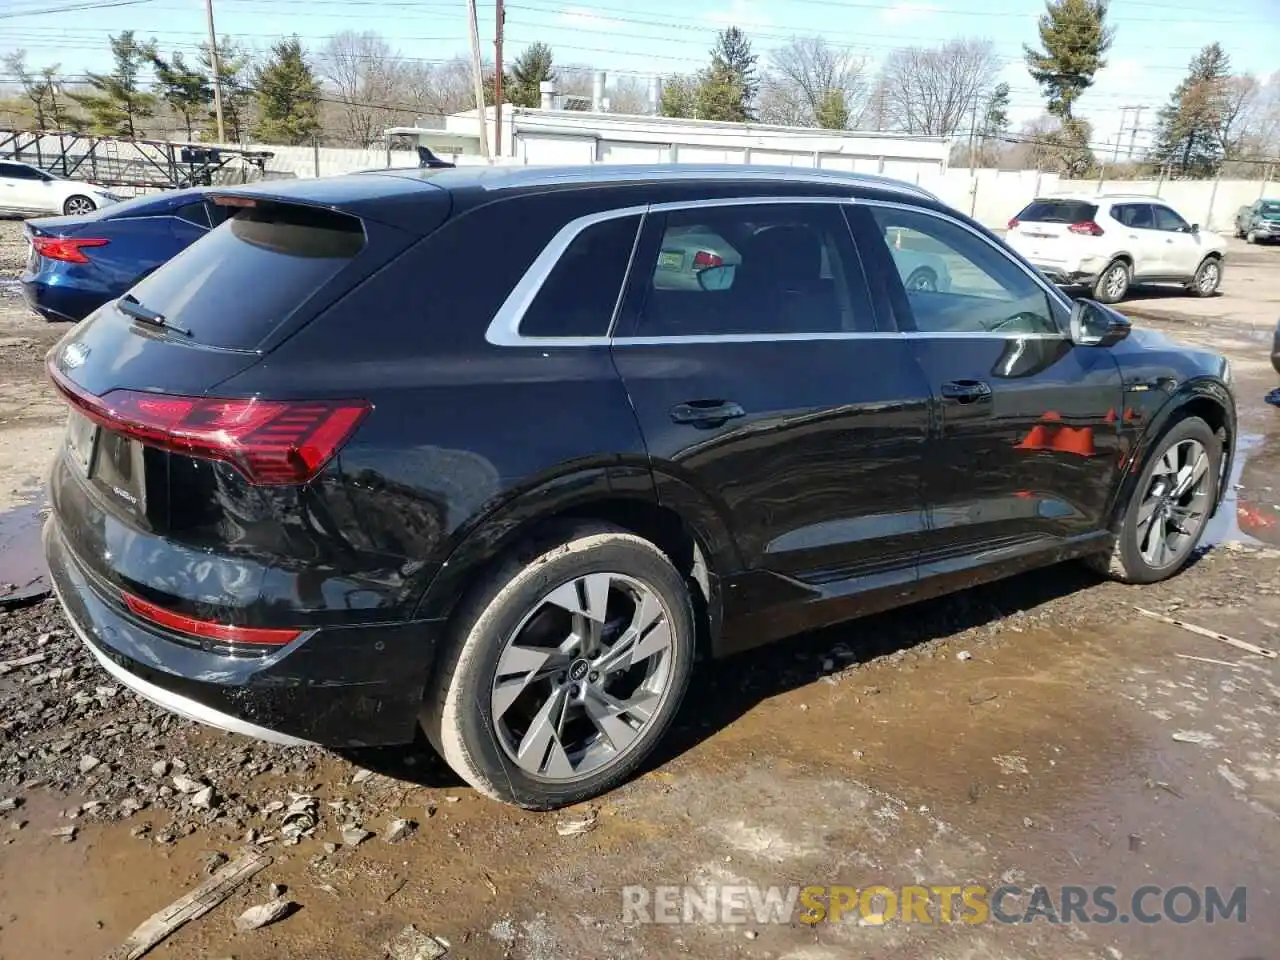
<point x="578" y="670"/>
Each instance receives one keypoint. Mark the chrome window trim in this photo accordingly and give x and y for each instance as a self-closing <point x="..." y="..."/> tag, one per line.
<point x="504" y="328"/>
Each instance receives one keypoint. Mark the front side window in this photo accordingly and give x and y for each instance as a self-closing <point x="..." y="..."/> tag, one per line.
<point x="763" y="269"/>
<point x="581" y="292"/>
<point x="1166" y="219"/>
<point x="956" y="282"/>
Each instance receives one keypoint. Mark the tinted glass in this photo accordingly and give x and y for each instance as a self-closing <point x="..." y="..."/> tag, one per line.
<point x="16" y="171"/>
<point x="957" y="282"/>
<point x="1269" y="209"/>
<point x="744" y="269"/>
<point x="1136" y="215"/>
<point x="245" y="278"/>
<point x="1058" y="211"/>
<point x="580" y="294"/>
<point x="193" y="212"/>
<point x="1166" y="219"/>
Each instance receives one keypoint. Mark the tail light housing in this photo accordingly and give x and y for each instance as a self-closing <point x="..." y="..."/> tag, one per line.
<point x="271" y="442"/>
<point x="66" y="249"/>
<point x="705" y="258"/>
<point x="1086" y="227"/>
<point x="1013" y="223"/>
<point x="207" y="629"/>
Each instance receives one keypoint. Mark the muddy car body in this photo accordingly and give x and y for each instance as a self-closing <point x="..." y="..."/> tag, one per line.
<point x="337" y="468"/>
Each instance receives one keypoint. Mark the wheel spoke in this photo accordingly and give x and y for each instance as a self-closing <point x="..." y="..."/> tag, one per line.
<point x="648" y="634"/>
<point x="540" y="749"/>
<point x="1193" y="474"/>
<point x="608" y="715"/>
<point x="1145" y="513"/>
<point x="588" y="596"/>
<point x="520" y="666"/>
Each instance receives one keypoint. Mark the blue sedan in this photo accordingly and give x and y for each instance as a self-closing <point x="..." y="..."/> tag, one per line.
<point x="78" y="263"/>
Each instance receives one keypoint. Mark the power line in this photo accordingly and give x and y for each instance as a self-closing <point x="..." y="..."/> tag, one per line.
<point x="96" y="5"/>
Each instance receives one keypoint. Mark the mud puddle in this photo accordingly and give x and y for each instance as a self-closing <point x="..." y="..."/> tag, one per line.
<point x="23" y="574"/>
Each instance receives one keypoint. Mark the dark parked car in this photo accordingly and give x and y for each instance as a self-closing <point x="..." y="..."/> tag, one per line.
<point x="78" y="263"/>
<point x="1258" y="222"/>
<point x="367" y="454"/>
<point x="1275" y="348"/>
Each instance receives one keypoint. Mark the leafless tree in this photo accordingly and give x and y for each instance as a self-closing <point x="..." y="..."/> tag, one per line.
<point x="1238" y="101"/>
<point x="436" y="90"/>
<point x="367" y="78"/>
<point x="804" y="74"/>
<point x="932" y="91"/>
<point x="629" y="95"/>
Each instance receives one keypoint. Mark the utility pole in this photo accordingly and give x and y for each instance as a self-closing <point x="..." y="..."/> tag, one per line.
<point x="497" y="80"/>
<point x="1133" y="132"/>
<point x="213" y="64"/>
<point x="481" y="114"/>
<point x="1115" y="154"/>
<point x="973" y="126"/>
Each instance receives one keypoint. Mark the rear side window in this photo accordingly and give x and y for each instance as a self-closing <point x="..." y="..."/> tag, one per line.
<point x="1058" y="211"/>
<point x="580" y="294"/>
<point x="1136" y="215"/>
<point x="245" y="278"/>
<point x="194" y="213"/>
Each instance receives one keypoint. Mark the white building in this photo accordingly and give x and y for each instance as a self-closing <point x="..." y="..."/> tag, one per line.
<point x="547" y="136"/>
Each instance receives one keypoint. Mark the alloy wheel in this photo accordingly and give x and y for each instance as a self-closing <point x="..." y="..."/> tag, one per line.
<point x="923" y="280"/>
<point x="1176" y="505"/>
<point x="582" y="675"/>
<point x="1209" y="275"/>
<point x="1117" y="280"/>
<point x="79" y="206"/>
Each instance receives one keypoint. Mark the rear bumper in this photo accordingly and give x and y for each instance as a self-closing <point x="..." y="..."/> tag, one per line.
<point x="57" y="302"/>
<point x="336" y="686"/>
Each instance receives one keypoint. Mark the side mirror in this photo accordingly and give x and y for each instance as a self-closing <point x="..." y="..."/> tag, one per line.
<point x="1195" y="229"/>
<point x="715" y="279"/>
<point x="1094" y="325"/>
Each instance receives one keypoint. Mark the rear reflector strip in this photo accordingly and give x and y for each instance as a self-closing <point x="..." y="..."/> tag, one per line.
<point x="269" y="441"/>
<point x="205" y="629"/>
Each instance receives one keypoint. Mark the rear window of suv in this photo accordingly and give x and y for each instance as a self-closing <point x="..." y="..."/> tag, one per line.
<point x="247" y="277"/>
<point x="1058" y="211"/>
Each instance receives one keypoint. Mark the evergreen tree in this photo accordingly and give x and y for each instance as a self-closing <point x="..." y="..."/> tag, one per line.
<point x="995" y="116"/>
<point x="1074" y="36"/>
<point x="832" y="112"/>
<point x="1188" y="127"/>
<point x="119" y="102"/>
<point x="522" y="86"/>
<point x="288" y="96"/>
<point x="184" y="88"/>
<point x="719" y="95"/>
<point x="732" y="57"/>
<point x="679" y="97"/>
<point x="234" y="82"/>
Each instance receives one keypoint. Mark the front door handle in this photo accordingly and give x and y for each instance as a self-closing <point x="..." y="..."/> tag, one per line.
<point x="706" y="413"/>
<point x="966" y="391"/>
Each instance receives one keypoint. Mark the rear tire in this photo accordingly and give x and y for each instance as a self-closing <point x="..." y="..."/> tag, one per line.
<point x="922" y="280"/>
<point x="1207" y="279"/>
<point x="1113" y="283"/>
<point x="518" y="706"/>
<point x="78" y="205"/>
<point x="1156" y="507"/>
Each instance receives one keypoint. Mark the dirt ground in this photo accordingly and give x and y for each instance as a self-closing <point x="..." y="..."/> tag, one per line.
<point x="1040" y="731"/>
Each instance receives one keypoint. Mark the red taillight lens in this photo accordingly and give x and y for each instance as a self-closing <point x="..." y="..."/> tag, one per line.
<point x="1013" y="223"/>
<point x="67" y="249"/>
<point x="269" y="441"/>
<point x="205" y="629"/>
<point x="705" y="258"/>
<point x="1088" y="227"/>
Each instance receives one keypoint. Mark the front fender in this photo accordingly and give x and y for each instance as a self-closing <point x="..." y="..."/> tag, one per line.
<point x="1158" y="418"/>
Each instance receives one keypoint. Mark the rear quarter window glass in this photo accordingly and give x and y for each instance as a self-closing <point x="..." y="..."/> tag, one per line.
<point x="581" y="292"/>
<point x="1058" y="211"/>
<point x="249" y="275"/>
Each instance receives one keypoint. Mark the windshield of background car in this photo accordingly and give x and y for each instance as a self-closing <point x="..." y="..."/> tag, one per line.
<point x="1269" y="209"/>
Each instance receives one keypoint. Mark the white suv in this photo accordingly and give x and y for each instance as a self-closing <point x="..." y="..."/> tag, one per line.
<point x="1109" y="241"/>
<point x="28" y="189"/>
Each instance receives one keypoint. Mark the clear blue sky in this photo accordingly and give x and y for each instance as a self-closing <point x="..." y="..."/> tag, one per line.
<point x="1154" y="38"/>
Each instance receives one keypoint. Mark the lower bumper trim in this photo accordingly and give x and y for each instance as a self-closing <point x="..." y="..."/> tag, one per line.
<point x="176" y="703"/>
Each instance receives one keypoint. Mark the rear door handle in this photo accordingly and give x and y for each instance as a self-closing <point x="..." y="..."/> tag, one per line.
<point x="706" y="412"/>
<point x="966" y="391"/>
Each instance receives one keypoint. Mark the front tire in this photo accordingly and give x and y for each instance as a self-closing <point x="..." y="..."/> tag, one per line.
<point x="1113" y="283"/>
<point x="78" y="206"/>
<point x="922" y="280"/>
<point x="1170" y="507"/>
<point x="563" y="669"/>
<point x="1208" y="277"/>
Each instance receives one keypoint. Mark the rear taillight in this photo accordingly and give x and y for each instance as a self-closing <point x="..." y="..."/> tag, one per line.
<point x="705" y="258"/>
<point x="269" y="441"/>
<point x="1013" y="223"/>
<point x="207" y="629"/>
<point x="66" y="249"/>
<point x="1087" y="227"/>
